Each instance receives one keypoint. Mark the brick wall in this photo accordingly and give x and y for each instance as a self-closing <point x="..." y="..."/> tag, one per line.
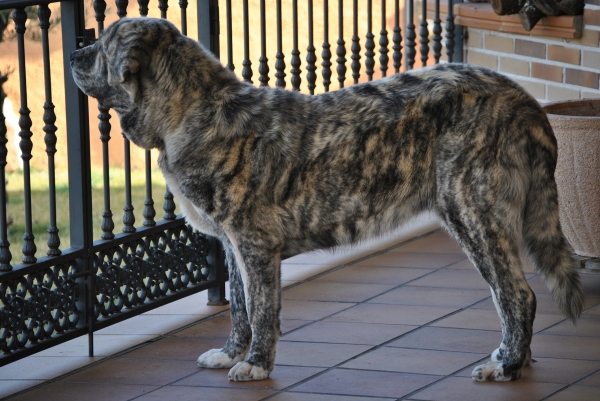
<point x="551" y="69"/>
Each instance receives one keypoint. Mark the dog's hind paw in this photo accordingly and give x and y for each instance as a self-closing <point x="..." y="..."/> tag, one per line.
<point x="216" y="359"/>
<point x="245" y="371"/>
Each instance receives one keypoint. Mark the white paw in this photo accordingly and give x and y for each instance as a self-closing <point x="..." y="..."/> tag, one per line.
<point x="484" y="372"/>
<point x="496" y="355"/>
<point x="244" y="371"/>
<point x="215" y="359"/>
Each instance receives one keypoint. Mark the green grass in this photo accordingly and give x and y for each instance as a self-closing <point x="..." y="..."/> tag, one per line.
<point x="40" y="202"/>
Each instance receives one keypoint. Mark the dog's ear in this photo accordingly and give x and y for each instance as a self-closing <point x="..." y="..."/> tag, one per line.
<point x="122" y="66"/>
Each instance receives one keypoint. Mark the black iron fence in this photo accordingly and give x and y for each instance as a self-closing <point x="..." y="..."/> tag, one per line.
<point x="105" y="278"/>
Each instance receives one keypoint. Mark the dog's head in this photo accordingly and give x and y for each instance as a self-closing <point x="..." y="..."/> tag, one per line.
<point x="117" y="69"/>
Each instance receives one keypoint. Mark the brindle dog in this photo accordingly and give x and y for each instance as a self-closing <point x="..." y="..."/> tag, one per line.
<point x="272" y="173"/>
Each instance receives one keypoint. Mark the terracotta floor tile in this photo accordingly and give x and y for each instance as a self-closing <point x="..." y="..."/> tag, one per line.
<point x="348" y="333"/>
<point x="412" y="259"/>
<point x="391" y="314"/>
<point x="366" y="383"/>
<point x="546" y="305"/>
<point x="550" y="370"/>
<point x="554" y="346"/>
<point x="591" y="284"/>
<point x="433" y="243"/>
<point x="184" y="393"/>
<point x="311" y="310"/>
<point x="176" y="347"/>
<point x="453" y="278"/>
<point x="409" y="360"/>
<point x="464" y="264"/>
<point x="461" y="340"/>
<point x="321" y="397"/>
<point x="280" y="378"/>
<point x="432" y="296"/>
<point x="8" y="387"/>
<point x="330" y="291"/>
<point x="288" y="325"/>
<point x="466" y="389"/>
<point x="538" y="285"/>
<point x="315" y="354"/>
<point x="593" y="380"/>
<point x="587" y="326"/>
<point x="577" y="393"/>
<point x="218" y="326"/>
<point x="155" y="325"/>
<point x="374" y="275"/>
<point x="594" y="311"/>
<point x="156" y="372"/>
<point x="483" y="319"/>
<point x="59" y="391"/>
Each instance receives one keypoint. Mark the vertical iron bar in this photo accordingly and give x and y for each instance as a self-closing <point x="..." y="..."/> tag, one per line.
<point x="26" y="145"/>
<point x="122" y="7"/>
<point x="163" y="5"/>
<point x="107" y="226"/>
<point x="263" y="67"/>
<point x="424" y="34"/>
<point x="149" y="211"/>
<point x="279" y="63"/>
<point x="311" y="57"/>
<point x="5" y="255"/>
<point x="437" y="33"/>
<point x="296" y="80"/>
<point x="183" y="5"/>
<point x="326" y="53"/>
<point x="410" y="36"/>
<point x="247" y="64"/>
<point x="50" y="130"/>
<point x="216" y="263"/>
<point x="383" y="42"/>
<point x="143" y="9"/>
<point x="369" y="43"/>
<point x="450" y="32"/>
<point x="230" y="37"/>
<point x="355" y="45"/>
<point x="341" y="46"/>
<point x="78" y="146"/>
<point x="397" y="38"/>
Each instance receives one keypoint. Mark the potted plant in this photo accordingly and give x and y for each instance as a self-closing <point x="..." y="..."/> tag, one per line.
<point x="576" y="126"/>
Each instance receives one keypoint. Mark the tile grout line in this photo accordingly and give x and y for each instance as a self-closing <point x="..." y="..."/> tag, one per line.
<point x="571" y="384"/>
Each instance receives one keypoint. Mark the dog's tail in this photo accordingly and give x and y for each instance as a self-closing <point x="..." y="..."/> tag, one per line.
<point x="542" y="233"/>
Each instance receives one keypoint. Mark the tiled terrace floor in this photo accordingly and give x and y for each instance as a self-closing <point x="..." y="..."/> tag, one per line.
<point x="407" y="323"/>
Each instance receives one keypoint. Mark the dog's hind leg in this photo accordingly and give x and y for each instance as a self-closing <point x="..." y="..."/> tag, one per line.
<point x="260" y="273"/>
<point x="236" y="347"/>
<point x="487" y="235"/>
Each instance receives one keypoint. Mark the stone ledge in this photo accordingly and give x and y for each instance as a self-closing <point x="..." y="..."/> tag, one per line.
<point x="481" y="16"/>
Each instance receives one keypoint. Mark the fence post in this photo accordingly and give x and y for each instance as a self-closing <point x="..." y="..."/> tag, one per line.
<point x="216" y="261"/>
<point x="78" y="148"/>
<point x="208" y="25"/>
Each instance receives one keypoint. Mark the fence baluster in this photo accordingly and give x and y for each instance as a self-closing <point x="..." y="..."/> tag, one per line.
<point x="169" y="206"/>
<point x="26" y="145"/>
<point x="326" y="53"/>
<point x="279" y="63"/>
<point x="370" y="43"/>
<point x="341" y="46"/>
<point x="5" y="255"/>
<point x="229" y="36"/>
<point x="163" y="5"/>
<point x="437" y="34"/>
<point x="424" y="34"/>
<point x="143" y="7"/>
<point x="107" y="225"/>
<point x="263" y="67"/>
<point x="183" y="6"/>
<point x="296" y="80"/>
<point x="50" y="130"/>
<point x="450" y="32"/>
<point x="122" y="7"/>
<point x="355" y="45"/>
<point x="397" y="38"/>
<point x="149" y="211"/>
<point x="383" y="42"/>
<point x="246" y="70"/>
<point x="410" y="37"/>
<point x="311" y="57"/>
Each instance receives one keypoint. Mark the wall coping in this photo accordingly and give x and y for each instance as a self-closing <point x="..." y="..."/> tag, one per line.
<point x="482" y="16"/>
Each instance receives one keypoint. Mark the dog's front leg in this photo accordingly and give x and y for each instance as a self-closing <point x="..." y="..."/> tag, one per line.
<point x="236" y="347"/>
<point x="260" y="274"/>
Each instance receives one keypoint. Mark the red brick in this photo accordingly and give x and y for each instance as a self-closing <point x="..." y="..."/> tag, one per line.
<point x="547" y="72"/>
<point x="529" y="48"/>
<point x="564" y="54"/>
<point x="581" y="78"/>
